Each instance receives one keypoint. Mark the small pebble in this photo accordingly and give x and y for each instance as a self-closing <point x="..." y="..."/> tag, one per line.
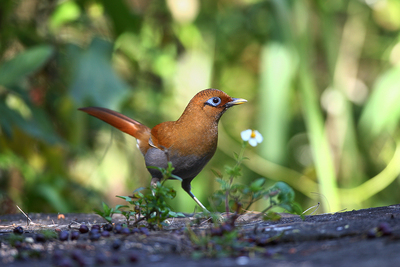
<point x="18" y="230"/>
<point x="385" y="228"/>
<point x="94" y="236"/>
<point x="144" y="230"/>
<point x="96" y="226"/>
<point x="269" y="253"/>
<point x="64" y="262"/>
<point x="116" y="244"/>
<point x="105" y="234"/>
<point x="118" y="229"/>
<point x="125" y="231"/>
<point x="79" y="258"/>
<point x="18" y="244"/>
<point x="226" y="228"/>
<point x="40" y="238"/>
<point x="63" y="236"/>
<point x="74" y="235"/>
<point x="29" y="240"/>
<point x="155" y="258"/>
<point x="83" y="229"/>
<point x="108" y="227"/>
<point x="133" y="257"/>
<point x="115" y="259"/>
<point x="135" y="231"/>
<point x="100" y="258"/>
<point x="242" y="260"/>
<point x="216" y="231"/>
<point x="57" y="255"/>
<point x="371" y="233"/>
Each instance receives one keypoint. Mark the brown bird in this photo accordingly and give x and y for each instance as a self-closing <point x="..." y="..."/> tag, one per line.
<point x="189" y="143"/>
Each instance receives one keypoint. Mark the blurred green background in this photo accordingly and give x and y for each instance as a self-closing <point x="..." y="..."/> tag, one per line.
<point x="322" y="79"/>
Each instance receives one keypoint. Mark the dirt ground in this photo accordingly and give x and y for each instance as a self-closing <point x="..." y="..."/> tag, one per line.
<point x="369" y="237"/>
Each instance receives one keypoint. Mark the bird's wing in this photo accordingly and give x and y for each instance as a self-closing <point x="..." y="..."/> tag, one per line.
<point x="163" y="135"/>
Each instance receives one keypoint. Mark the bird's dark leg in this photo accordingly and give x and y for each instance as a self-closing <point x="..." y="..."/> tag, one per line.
<point x="186" y="186"/>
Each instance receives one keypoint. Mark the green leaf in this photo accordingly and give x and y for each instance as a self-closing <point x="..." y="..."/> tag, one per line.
<point x="154" y="167"/>
<point x="18" y="68"/>
<point x="99" y="212"/>
<point x="138" y="189"/>
<point x="233" y="171"/>
<point x="286" y="193"/>
<point x="176" y="214"/>
<point x="94" y="80"/>
<point x="224" y="184"/>
<point x="216" y="173"/>
<point x="176" y="177"/>
<point x="106" y="209"/>
<point x="126" y="198"/>
<point x="293" y="207"/>
<point x="122" y="18"/>
<point x="257" y="184"/>
<point x="271" y="216"/>
<point x="382" y="111"/>
<point x="117" y="207"/>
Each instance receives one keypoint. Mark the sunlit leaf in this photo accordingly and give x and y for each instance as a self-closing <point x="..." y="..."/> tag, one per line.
<point x="278" y="65"/>
<point x="382" y="111"/>
<point x="67" y="11"/>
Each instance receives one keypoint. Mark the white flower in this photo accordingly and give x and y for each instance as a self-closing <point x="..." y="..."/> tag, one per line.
<point x="252" y="136"/>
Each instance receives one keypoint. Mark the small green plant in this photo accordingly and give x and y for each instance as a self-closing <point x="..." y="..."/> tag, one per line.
<point x="106" y="213"/>
<point x="224" y="239"/>
<point x="280" y="195"/>
<point x="241" y="196"/>
<point x="147" y="203"/>
<point x="150" y="206"/>
<point x="221" y="240"/>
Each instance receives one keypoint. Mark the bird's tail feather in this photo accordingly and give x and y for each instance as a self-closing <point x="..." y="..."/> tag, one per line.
<point x="123" y="123"/>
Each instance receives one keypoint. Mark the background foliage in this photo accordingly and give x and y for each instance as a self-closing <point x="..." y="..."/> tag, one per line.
<point x="322" y="79"/>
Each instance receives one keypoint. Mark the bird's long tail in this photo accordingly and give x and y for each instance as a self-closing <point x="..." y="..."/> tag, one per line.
<point x="123" y="123"/>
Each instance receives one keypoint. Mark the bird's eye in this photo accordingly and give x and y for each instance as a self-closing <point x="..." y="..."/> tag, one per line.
<point x="214" y="101"/>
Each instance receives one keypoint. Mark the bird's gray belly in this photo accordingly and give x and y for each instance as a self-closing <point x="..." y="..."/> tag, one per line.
<point x="186" y="167"/>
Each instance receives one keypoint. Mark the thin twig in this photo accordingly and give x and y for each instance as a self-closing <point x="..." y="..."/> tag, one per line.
<point x="28" y="220"/>
<point x="315" y="206"/>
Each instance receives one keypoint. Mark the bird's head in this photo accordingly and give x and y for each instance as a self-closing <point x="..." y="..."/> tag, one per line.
<point x="211" y="103"/>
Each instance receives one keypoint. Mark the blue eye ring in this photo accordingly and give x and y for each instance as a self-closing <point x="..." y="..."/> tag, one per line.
<point x="214" y="101"/>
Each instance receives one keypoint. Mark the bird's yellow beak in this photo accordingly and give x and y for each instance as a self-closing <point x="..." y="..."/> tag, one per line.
<point x="236" y="101"/>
